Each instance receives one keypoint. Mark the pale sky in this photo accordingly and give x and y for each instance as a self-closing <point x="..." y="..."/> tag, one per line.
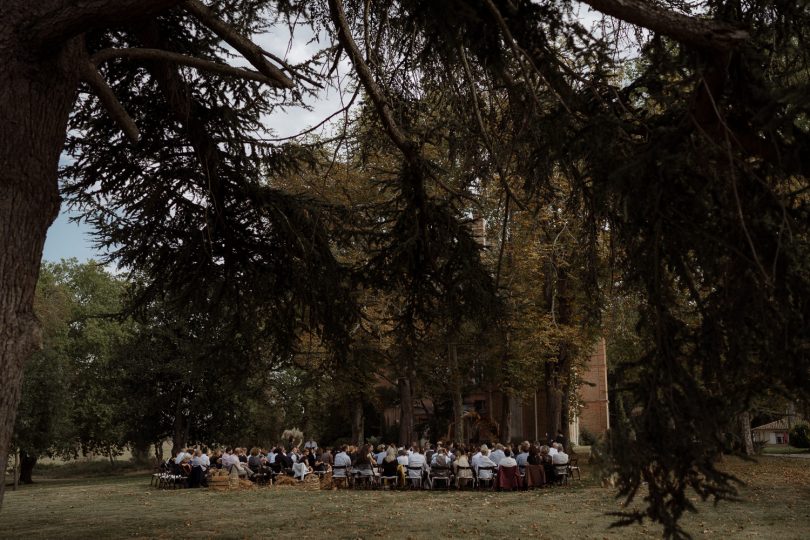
<point x="66" y="240"/>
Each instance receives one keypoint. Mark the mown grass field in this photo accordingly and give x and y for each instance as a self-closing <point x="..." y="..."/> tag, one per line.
<point x="776" y="504"/>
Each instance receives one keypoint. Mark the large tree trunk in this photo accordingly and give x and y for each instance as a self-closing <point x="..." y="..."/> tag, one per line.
<point x="37" y="91"/>
<point x="746" y="440"/>
<point x="506" y="418"/>
<point x="179" y="429"/>
<point x="405" y="411"/>
<point x="358" y="422"/>
<point x="455" y="390"/>
<point x="565" y="416"/>
<point x="27" y="464"/>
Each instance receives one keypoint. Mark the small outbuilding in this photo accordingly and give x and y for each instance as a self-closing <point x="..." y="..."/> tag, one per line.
<point x="775" y="432"/>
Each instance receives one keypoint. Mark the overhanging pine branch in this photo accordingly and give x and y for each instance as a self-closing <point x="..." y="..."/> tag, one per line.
<point x="252" y="52"/>
<point x="701" y="33"/>
<point x="91" y="76"/>
<point x="137" y="53"/>
<point x="344" y="35"/>
<point x="68" y="18"/>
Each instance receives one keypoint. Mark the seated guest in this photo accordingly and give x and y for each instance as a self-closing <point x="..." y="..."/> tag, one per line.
<point x="523" y="457"/>
<point x="402" y="457"/>
<point x="380" y="455"/>
<point x="241" y="453"/>
<point x="477" y="456"/>
<point x="255" y="460"/>
<point x="342" y="463"/>
<point x="497" y="455"/>
<point x="294" y="455"/>
<point x="546" y="461"/>
<point x="560" y="457"/>
<point x="390" y="465"/>
<point x="485" y="467"/>
<point x="326" y="458"/>
<point x="301" y="469"/>
<point x="283" y="461"/>
<point x="534" y="456"/>
<point x="463" y="469"/>
<point x="507" y="460"/>
<point x="440" y="468"/>
<point x="417" y="465"/>
<point x="363" y="463"/>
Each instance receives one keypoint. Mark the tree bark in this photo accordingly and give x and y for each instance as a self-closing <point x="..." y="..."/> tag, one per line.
<point x="506" y="418"/>
<point x="358" y="422"/>
<point x="27" y="464"/>
<point x="179" y="429"/>
<point x="701" y="33"/>
<point x="746" y="440"/>
<point x="37" y="92"/>
<point x="455" y="390"/>
<point x="405" y="411"/>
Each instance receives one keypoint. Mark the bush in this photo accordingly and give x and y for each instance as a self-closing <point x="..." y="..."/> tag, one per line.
<point x="800" y="436"/>
<point x="586" y="438"/>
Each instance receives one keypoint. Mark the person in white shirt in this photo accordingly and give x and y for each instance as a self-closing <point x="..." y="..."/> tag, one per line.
<point x="559" y="457"/>
<point x="497" y="455"/>
<point x="485" y="461"/>
<point x="552" y="450"/>
<point x="380" y="455"/>
<point x="181" y="455"/>
<point x="507" y="460"/>
<point x="343" y="460"/>
<point x="402" y="457"/>
<point x="417" y="465"/>
<point x="310" y="445"/>
<point x="475" y="460"/>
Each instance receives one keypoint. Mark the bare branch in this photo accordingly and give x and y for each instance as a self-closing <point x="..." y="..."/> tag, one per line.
<point x="68" y="18"/>
<point x="137" y="53"/>
<point x="91" y="76"/>
<point x="252" y="52"/>
<point x="692" y="31"/>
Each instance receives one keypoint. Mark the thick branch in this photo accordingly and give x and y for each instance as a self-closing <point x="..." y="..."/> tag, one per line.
<point x="252" y="52"/>
<point x="137" y="53"/>
<point x="105" y="94"/>
<point x="688" y="30"/>
<point x="374" y="91"/>
<point x="68" y="18"/>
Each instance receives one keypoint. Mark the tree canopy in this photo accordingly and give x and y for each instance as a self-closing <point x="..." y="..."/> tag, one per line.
<point x="676" y="151"/>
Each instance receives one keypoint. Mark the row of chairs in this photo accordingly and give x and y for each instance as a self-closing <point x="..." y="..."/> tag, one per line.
<point x="443" y="477"/>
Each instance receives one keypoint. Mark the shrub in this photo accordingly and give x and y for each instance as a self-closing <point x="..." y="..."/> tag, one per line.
<point x="586" y="438"/>
<point x="800" y="436"/>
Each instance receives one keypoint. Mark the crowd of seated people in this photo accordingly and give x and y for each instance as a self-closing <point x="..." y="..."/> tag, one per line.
<point x="527" y="465"/>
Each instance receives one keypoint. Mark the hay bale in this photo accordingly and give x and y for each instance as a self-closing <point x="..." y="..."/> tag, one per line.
<point x="326" y="482"/>
<point x="312" y="483"/>
<point x="246" y="484"/>
<point x="285" y="481"/>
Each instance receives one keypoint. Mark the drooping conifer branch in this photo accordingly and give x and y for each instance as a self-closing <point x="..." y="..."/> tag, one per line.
<point x="105" y="94"/>
<point x="137" y="53"/>
<point x="701" y="33"/>
<point x="61" y="20"/>
<point x="252" y="52"/>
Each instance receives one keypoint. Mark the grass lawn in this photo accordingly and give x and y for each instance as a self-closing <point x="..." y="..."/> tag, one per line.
<point x="776" y="505"/>
<point x="784" y="449"/>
